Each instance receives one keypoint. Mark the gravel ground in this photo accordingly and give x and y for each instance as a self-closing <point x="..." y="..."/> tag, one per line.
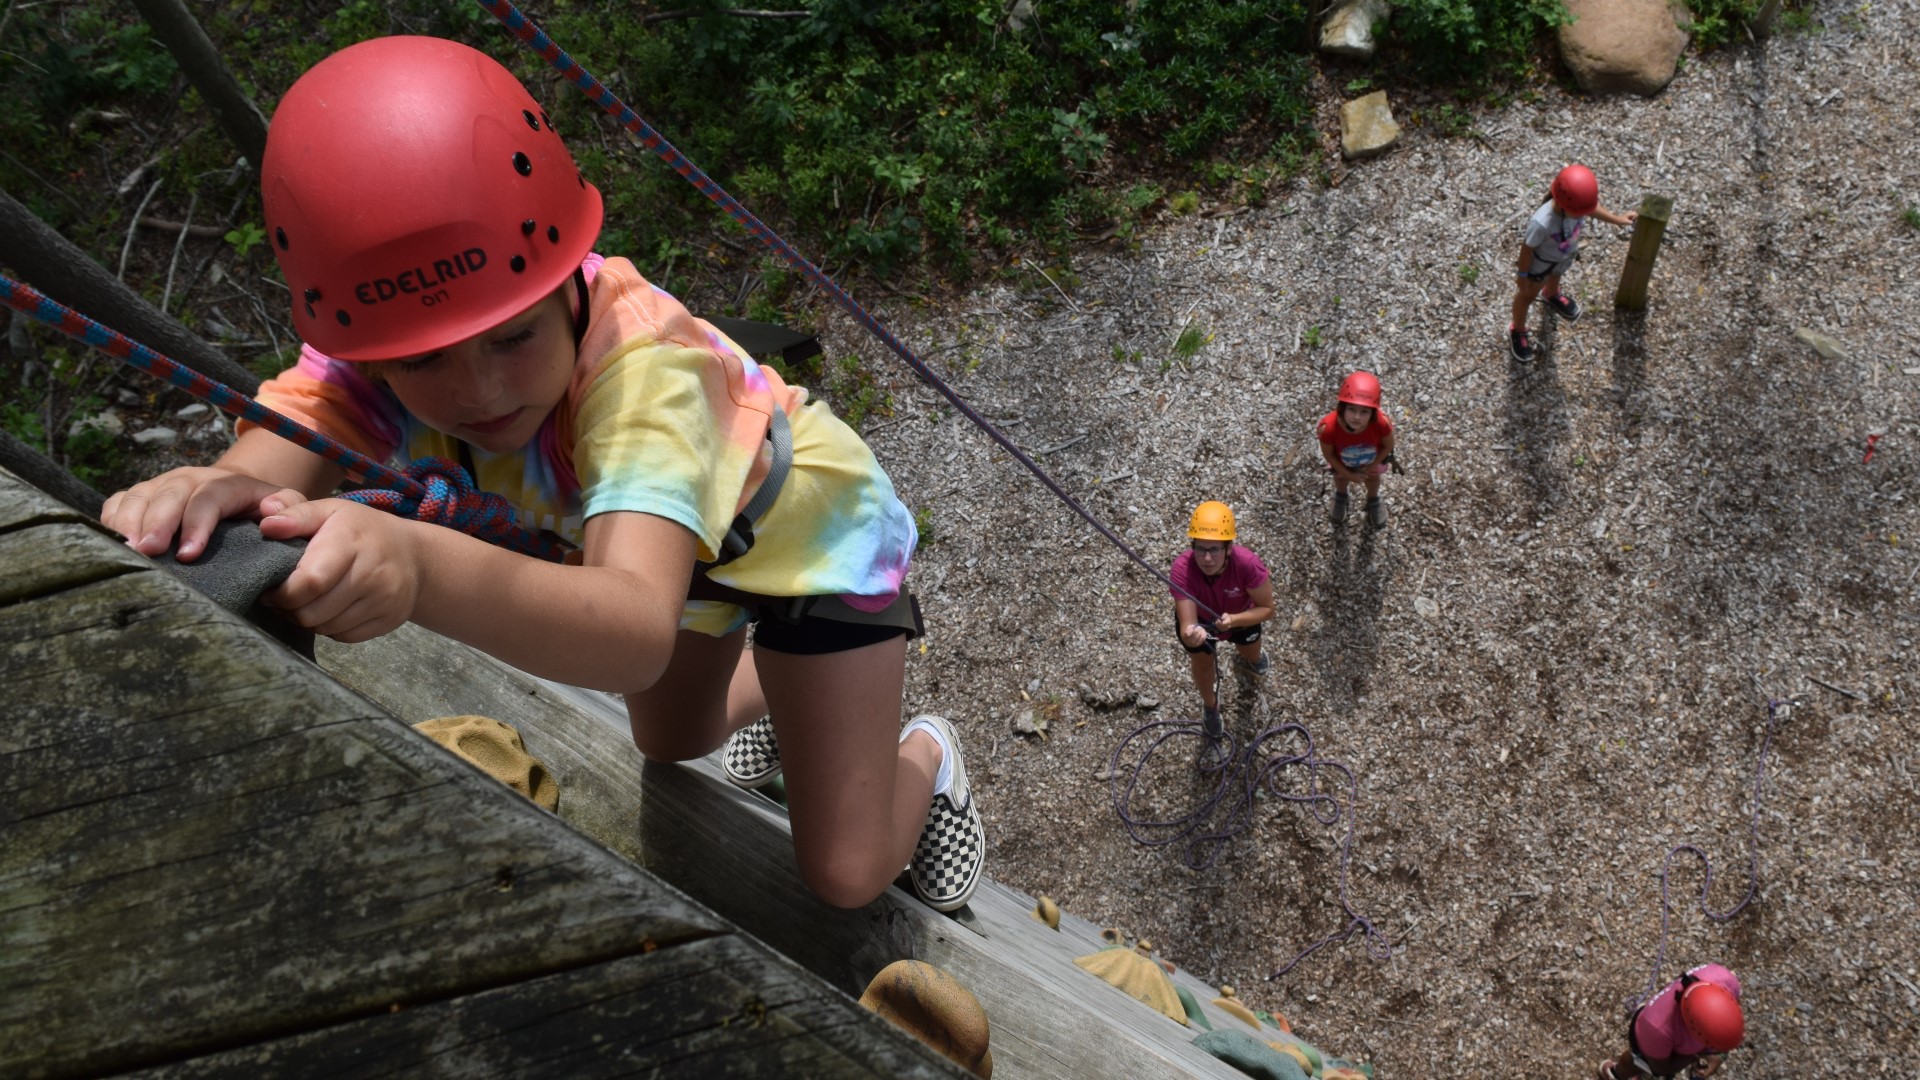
<point x="1555" y="662"/>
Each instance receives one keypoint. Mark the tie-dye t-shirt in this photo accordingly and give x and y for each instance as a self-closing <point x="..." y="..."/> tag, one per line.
<point x="664" y="416"/>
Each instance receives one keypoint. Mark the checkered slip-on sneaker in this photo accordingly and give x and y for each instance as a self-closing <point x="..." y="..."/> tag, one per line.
<point x="948" y="860"/>
<point x="752" y="757"/>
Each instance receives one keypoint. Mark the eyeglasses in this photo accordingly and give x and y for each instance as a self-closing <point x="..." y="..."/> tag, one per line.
<point x="1210" y="549"/>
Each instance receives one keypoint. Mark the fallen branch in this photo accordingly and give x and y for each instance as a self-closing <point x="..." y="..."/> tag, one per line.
<point x="738" y="13"/>
<point x="1841" y="690"/>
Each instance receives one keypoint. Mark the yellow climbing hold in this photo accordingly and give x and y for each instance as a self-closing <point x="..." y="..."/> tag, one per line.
<point x="1047" y="912"/>
<point x="1232" y="1007"/>
<point x="1136" y="974"/>
<point x="932" y="1006"/>
<point x="494" y="748"/>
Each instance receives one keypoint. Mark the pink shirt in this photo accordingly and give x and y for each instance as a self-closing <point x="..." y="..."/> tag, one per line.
<point x="1658" y="1028"/>
<point x="1228" y="592"/>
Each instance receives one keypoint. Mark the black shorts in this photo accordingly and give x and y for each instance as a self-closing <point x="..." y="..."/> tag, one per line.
<point x="813" y="636"/>
<point x="1245" y="635"/>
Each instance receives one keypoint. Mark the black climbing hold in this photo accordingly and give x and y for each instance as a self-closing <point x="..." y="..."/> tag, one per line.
<point x="518" y="263"/>
<point x="521" y="165"/>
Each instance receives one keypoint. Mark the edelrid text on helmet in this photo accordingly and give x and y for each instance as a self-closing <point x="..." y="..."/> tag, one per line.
<point x="1211" y="521"/>
<point x="1576" y="190"/>
<point x="417" y="195"/>
<point x="1361" y="388"/>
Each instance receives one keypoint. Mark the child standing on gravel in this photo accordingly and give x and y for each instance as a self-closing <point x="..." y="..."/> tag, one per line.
<point x="1549" y="244"/>
<point x="1233" y="582"/>
<point x="1356" y="439"/>
<point x="437" y="239"/>
<point x="1690" y="1024"/>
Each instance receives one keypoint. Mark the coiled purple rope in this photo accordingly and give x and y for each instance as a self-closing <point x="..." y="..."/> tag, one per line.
<point x="1241" y="773"/>
<point x="1706" y="866"/>
<point x="439" y="486"/>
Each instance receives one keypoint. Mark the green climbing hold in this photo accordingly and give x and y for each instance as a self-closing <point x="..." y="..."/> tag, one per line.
<point x="1250" y="1055"/>
<point x="1192" y="1005"/>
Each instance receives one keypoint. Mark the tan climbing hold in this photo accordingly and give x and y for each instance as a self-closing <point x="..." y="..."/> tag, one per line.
<point x="1112" y="936"/>
<point x="495" y="748"/>
<point x="1232" y="1007"/>
<point x="1047" y="912"/>
<point x="1137" y="975"/>
<point x="932" y="1006"/>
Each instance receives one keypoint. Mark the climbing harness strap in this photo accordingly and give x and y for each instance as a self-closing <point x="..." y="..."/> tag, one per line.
<point x="739" y="538"/>
<point x="903" y="613"/>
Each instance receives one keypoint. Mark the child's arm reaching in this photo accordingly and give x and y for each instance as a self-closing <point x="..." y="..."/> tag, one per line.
<point x="261" y="474"/>
<point x="607" y="625"/>
<point x="1612" y="218"/>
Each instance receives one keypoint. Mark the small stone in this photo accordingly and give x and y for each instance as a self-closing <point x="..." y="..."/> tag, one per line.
<point x="1366" y="127"/>
<point x="126" y="396"/>
<point x="1145" y="703"/>
<point x="1426" y="607"/>
<point x="1023" y="723"/>
<point x="1828" y="348"/>
<point x="198" y="408"/>
<point x="108" y="422"/>
<point x="156" y="437"/>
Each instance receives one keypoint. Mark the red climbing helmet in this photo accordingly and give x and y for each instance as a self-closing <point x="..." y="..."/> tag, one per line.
<point x="416" y="195"/>
<point x="1361" y="388"/>
<point x="1713" y="1016"/>
<point x="1576" y="190"/>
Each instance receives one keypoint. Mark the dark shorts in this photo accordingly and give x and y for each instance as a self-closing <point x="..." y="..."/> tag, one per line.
<point x="1245" y="635"/>
<point x="816" y="637"/>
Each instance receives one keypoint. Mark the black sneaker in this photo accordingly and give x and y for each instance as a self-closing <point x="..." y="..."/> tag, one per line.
<point x="1564" y="306"/>
<point x="1376" y="512"/>
<point x="751" y="758"/>
<point x="1521" y="343"/>
<point x="1338" y="514"/>
<point x="952" y="851"/>
<point x="1211" y="723"/>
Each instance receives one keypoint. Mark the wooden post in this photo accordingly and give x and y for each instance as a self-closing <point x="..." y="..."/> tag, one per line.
<point x="1641" y="250"/>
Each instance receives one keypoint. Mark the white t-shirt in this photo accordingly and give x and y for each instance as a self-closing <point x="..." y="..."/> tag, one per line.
<point x="1553" y="236"/>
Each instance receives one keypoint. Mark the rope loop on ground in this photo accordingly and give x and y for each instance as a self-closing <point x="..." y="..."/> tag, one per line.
<point x="1706" y="866"/>
<point x="1240" y="776"/>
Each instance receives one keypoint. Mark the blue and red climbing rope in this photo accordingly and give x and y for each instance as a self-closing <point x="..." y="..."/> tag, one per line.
<point x="431" y="489"/>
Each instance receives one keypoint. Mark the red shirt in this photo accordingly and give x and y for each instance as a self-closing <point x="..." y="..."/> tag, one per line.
<point x="1230" y="591"/>
<point x="1356" y="450"/>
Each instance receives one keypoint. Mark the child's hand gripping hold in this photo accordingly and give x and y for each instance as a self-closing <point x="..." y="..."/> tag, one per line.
<point x="361" y="574"/>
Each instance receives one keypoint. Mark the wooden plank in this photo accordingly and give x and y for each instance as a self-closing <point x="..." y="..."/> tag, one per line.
<point x="721" y="1007"/>
<point x="54" y="555"/>
<point x="732" y="851"/>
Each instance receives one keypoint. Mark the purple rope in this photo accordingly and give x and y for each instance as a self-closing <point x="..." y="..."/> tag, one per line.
<point x="1239" y="777"/>
<point x="406" y="489"/>
<point x="538" y="41"/>
<point x="1706" y="866"/>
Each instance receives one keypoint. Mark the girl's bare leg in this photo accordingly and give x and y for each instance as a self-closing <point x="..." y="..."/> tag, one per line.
<point x="1204" y="675"/>
<point x="856" y="795"/>
<point x="686" y="714"/>
<point x="1523" y="295"/>
<point x="746" y="702"/>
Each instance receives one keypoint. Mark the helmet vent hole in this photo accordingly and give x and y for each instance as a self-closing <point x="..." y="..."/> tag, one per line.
<point x="518" y="262"/>
<point x="280" y="237"/>
<point x="544" y="120"/>
<point x="312" y="314"/>
<point x="344" y="318"/>
<point x="553" y="234"/>
<point x="311" y="295"/>
<point x="521" y="164"/>
<point x="532" y="121"/>
<point x="527" y="227"/>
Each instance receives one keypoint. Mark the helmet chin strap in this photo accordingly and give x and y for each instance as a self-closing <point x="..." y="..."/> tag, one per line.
<point x="580" y="310"/>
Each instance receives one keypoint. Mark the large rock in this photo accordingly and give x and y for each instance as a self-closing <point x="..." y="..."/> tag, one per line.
<point x="1624" y="46"/>
<point x="1348" y="30"/>
<point x="1366" y="127"/>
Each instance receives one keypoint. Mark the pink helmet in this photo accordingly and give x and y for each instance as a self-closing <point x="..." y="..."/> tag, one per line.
<point x="416" y="195"/>
<point x="1577" y="190"/>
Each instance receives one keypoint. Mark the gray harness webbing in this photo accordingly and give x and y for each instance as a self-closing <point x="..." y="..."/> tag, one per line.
<point x="904" y="612"/>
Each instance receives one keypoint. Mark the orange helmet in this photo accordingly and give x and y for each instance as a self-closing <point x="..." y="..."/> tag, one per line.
<point x="1361" y="388"/>
<point x="1713" y="1015"/>
<point x="1211" y="521"/>
<point x="417" y="195"/>
<point x="1576" y="190"/>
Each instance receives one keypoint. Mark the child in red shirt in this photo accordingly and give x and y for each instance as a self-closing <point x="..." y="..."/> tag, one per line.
<point x="1357" y="441"/>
